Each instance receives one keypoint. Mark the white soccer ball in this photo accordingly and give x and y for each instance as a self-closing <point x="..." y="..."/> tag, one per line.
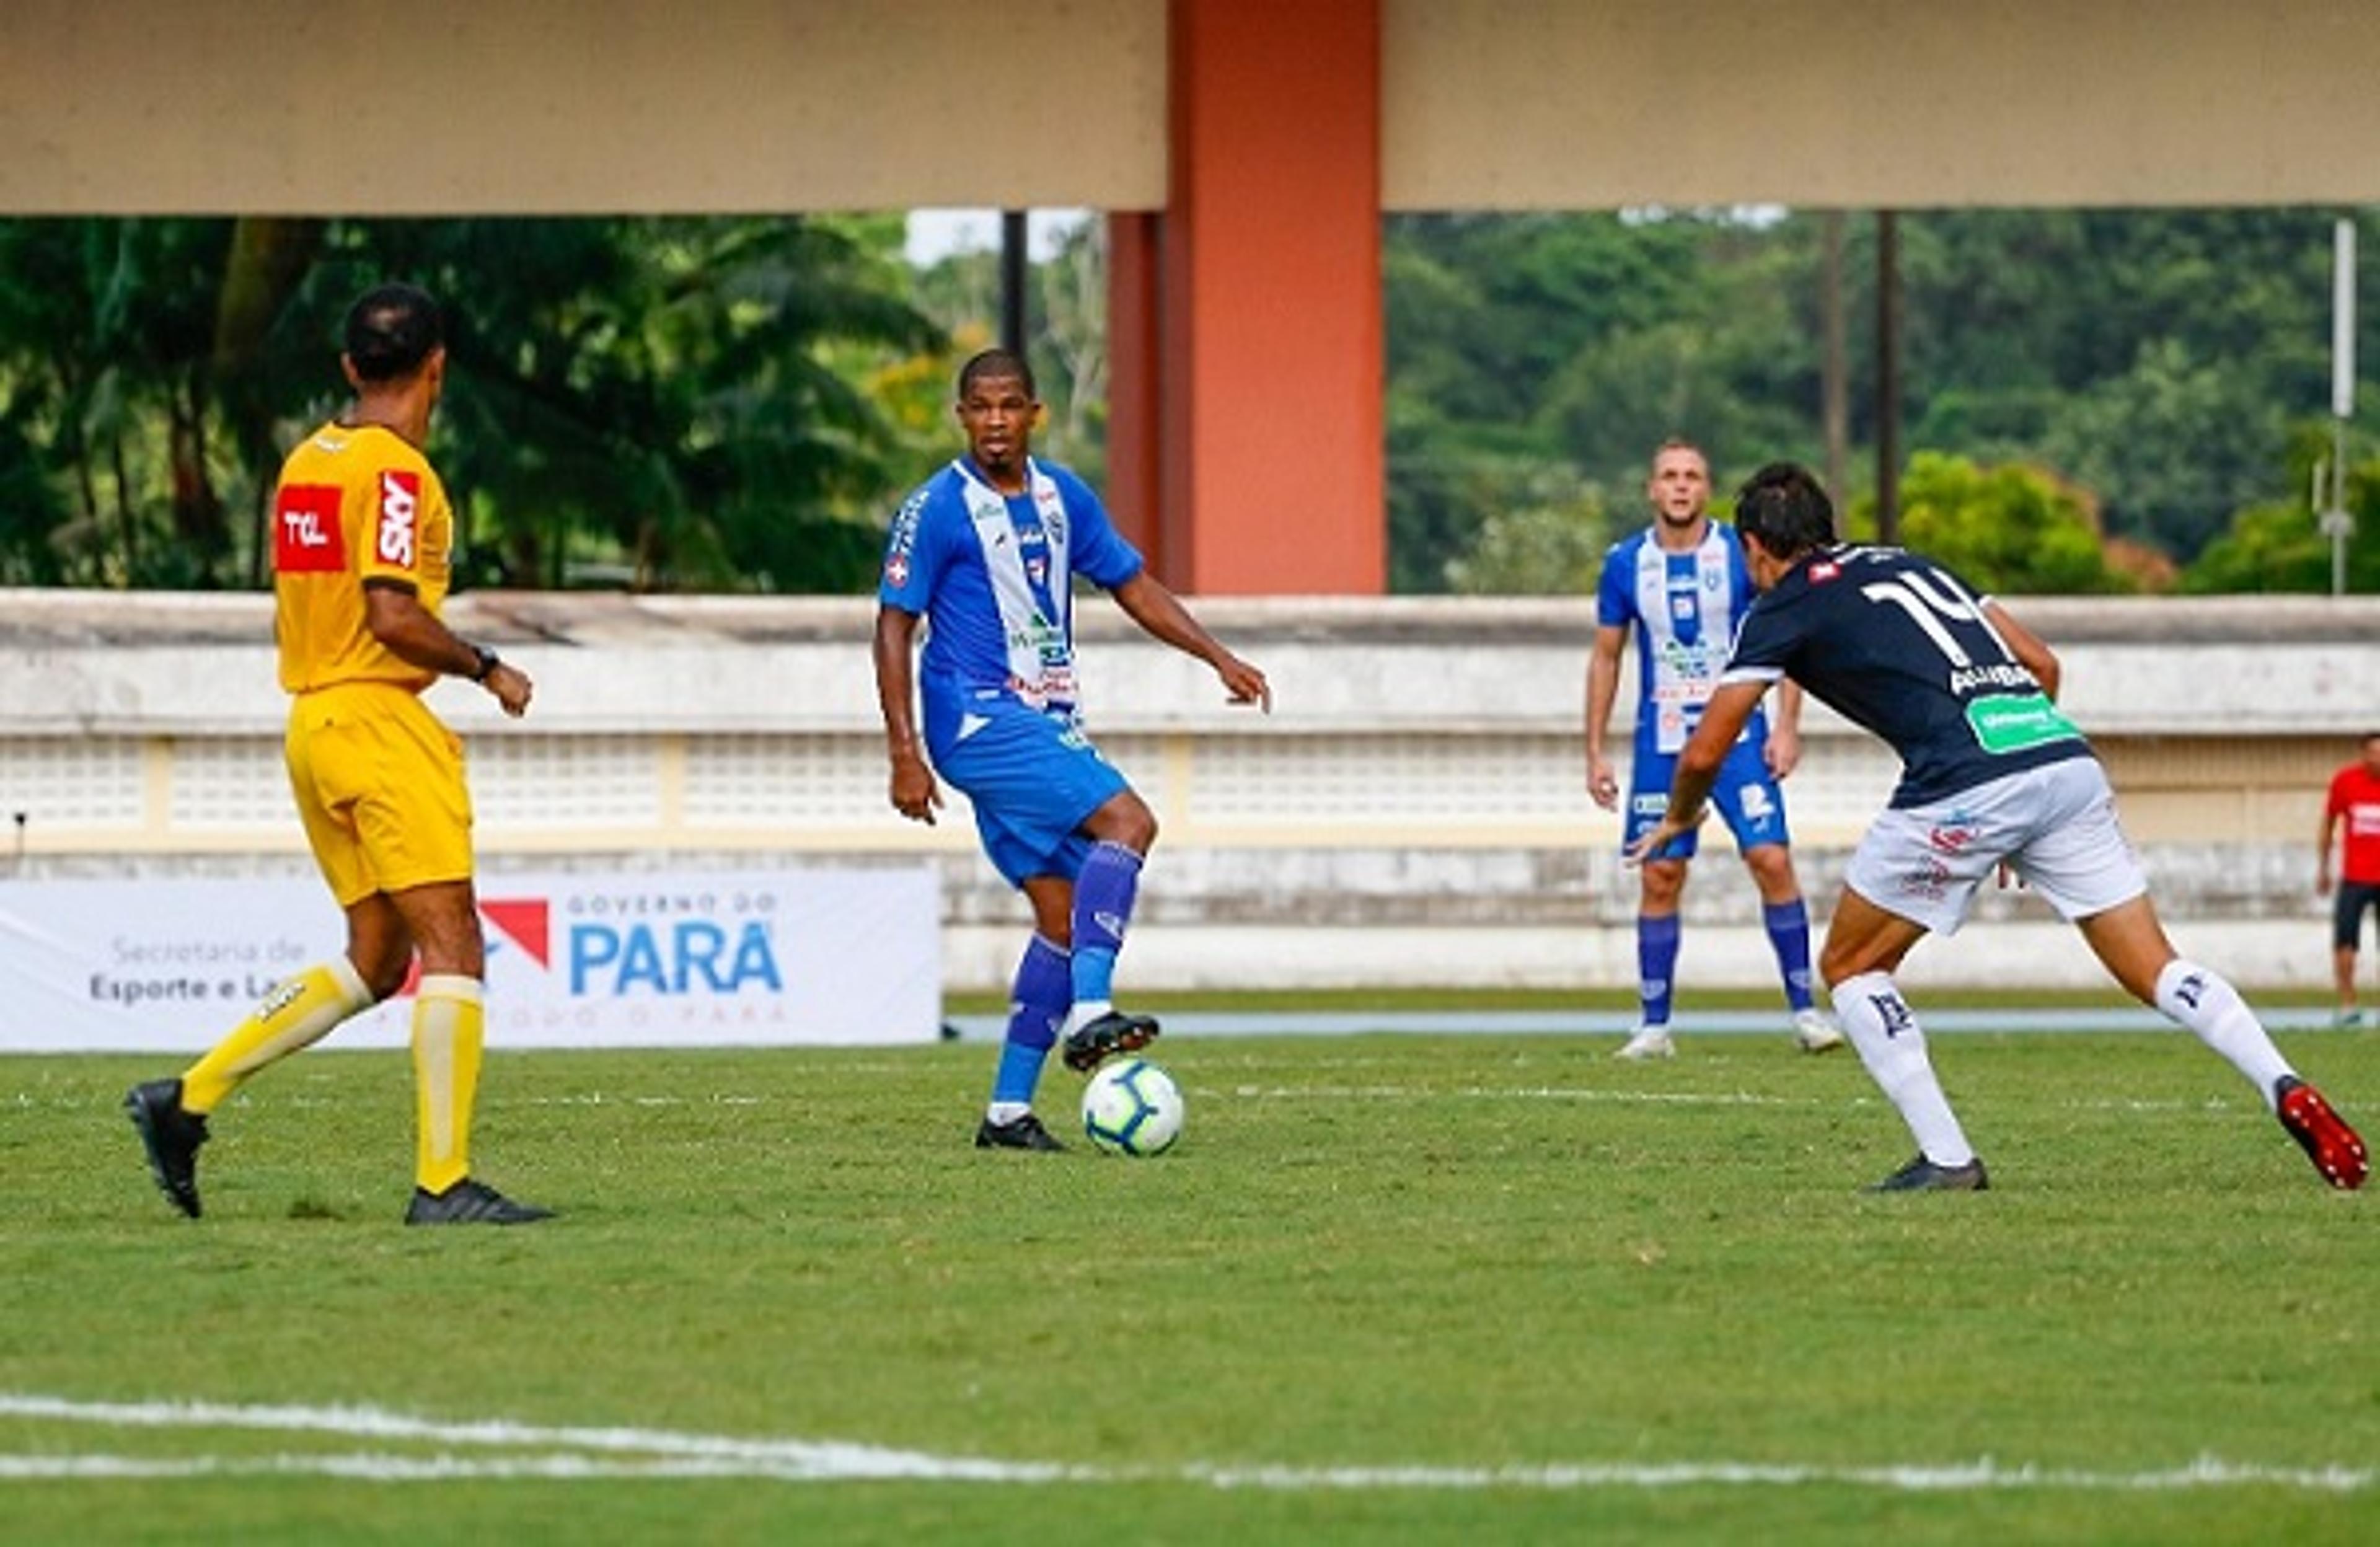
<point x="1132" y="1107"/>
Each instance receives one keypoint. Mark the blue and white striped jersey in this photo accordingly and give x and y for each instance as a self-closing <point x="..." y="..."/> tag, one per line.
<point x="992" y="576"/>
<point x="1686" y="608"/>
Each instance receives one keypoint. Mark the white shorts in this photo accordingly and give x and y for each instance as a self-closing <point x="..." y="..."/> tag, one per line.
<point x="2054" y="825"/>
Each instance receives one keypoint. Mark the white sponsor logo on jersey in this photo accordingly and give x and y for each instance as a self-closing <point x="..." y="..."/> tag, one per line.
<point x="400" y="507"/>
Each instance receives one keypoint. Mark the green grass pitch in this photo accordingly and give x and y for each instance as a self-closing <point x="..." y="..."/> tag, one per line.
<point x="1387" y="1288"/>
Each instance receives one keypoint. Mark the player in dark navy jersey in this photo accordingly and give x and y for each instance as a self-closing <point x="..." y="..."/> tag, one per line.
<point x="1993" y="773"/>
<point x="986" y="552"/>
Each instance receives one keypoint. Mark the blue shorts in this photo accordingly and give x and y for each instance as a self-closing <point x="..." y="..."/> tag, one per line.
<point x="1747" y="798"/>
<point x="1033" y="779"/>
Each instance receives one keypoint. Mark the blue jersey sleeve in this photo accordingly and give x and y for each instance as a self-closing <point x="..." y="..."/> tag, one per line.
<point x="1094" y="548"/>
<point x="1615" y="592"/>
<point x="910" y="557"/>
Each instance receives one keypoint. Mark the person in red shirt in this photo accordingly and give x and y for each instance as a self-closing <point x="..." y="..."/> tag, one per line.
<point x="2355" y="801"/>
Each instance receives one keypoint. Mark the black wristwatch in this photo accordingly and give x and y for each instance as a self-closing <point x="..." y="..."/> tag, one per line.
<point x="489" y="661"/>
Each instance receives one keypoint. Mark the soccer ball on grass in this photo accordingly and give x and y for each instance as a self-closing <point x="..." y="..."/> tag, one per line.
<point x="1132" y="1107"/>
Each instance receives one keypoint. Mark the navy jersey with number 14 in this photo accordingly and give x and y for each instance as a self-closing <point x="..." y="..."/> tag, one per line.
<point x="1898" y="645"/>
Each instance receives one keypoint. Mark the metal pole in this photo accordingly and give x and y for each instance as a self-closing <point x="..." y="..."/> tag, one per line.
<point x="1887" y="378"/>
<point x="2337" y="521"/>
<point x="1011" y="282"/>
<point x="1834" y="374"/>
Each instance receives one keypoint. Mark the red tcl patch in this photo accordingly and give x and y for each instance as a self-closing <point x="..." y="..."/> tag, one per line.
<point x="306" y="535"/>
<point x="400" y="514"/>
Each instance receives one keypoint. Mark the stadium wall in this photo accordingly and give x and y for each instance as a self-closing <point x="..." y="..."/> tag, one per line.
<point x="1413" y="814"/>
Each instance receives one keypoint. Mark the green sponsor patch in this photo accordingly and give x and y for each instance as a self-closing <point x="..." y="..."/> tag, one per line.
<point x="2007" y="723"/>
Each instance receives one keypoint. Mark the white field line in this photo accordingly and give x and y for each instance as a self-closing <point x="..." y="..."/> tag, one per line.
<point x="2216" y="1106"/>
<point x="575" y="1454"/>
<point x="1593" y="1095"/>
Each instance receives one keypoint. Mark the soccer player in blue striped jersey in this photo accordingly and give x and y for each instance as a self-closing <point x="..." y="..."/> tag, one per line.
<point x="1680" y="586"/>
<point x="1993" y="774"/>
<point x="986" y="553"/>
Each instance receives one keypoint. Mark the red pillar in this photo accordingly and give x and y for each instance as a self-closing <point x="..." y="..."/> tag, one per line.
<point x="1267" y="267"/>
<point x="1135" y="389"/>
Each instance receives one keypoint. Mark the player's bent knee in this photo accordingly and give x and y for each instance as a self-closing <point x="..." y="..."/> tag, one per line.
<point x="1127" y="821"/>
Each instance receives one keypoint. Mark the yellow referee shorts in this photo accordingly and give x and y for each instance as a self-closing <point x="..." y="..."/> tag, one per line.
<point x="379" y="787"/>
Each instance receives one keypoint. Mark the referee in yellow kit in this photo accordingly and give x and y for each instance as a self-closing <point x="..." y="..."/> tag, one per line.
<point x="362" y="544"/>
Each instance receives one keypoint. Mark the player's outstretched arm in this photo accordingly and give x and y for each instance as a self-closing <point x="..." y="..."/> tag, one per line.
<point x="913" y="791"/>
<point x="1723" y="720"/>
<point x="1162" y="614"/>
<point x="1783" y="753"/>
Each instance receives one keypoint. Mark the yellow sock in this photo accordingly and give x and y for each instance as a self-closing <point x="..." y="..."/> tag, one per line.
<point x="296" y="1014"/>
<point x="449" y="1023"/>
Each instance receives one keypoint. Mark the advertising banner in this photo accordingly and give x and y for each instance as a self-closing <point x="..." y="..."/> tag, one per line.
<point x="577" y="960"/>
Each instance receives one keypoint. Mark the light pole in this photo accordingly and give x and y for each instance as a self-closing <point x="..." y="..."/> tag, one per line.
<point x="2331" y="515"/>
<point x="1887" y="378"/>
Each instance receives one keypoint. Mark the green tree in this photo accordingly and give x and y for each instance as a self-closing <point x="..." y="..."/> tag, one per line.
<point x="2007" y="528"/>
<point x="2153" y="355"/>
<point x="107" y="344"/>
<point x="2151" y="359"/>
<point x="1067" y="340"/>
<point x="2277" y="545"/>
<point x="650" y="402"/>
<point x="647" y="400"/>
<point x="1532" y="354"/>
<point x="1554" y="549"/>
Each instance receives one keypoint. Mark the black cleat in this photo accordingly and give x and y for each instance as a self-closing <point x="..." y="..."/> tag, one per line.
<point x="1923" y="1176"/>
<point x="2335" y="1148"/>
<point x="471" y="1202"/>
<point x="172" y="1137"/>
<point x="1020" y="1133"/>
<point x="1096" y="1042"/>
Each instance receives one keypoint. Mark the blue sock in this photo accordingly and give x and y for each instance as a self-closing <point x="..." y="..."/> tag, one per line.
<point x="1036" y="1005"/>
<point x="1656" y="963"/>
<point x="1789" y="936"/>
<point x="1103" y="898"/>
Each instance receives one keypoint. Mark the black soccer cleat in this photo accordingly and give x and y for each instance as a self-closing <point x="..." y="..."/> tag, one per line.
<point x="1095" y="1042"/>
<point x="2336" y="1148"/>
<point x="1923" y="1176"/>
<point x="471" y="1202"/>
<point x="1019" y="1133"/>
<point x="172" y="1137"/>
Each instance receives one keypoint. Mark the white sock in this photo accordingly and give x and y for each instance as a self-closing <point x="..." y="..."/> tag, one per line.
<point x="999" y="1114"/>
<point x="1085" y="1011"/>
<point x="2203" y="1002"/>
<point x="1884" y="1029"/>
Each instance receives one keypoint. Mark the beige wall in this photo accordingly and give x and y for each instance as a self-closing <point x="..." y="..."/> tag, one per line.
<point x="1543" y="104"/>
<point x="550" y="107"/>
<point x="543" y="107"/>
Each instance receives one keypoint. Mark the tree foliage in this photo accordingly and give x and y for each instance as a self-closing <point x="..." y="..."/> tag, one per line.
<point x="2005" y="529"/>
<point x="646" y="402"/>
<point x="2154" y="364"/>
<point x="2277" y="545"/>
<point x="735" y="403"/>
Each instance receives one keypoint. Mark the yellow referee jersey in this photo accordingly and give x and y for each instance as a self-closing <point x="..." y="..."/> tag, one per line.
<point x="353" y="503"/>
